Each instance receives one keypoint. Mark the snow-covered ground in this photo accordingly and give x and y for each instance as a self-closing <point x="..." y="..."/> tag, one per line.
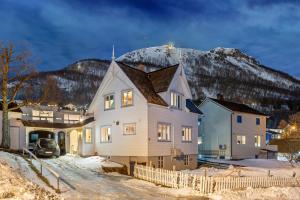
<point x="82" y="178"/>
<point x="251" y="167"/>
<point x="18" y="181"/>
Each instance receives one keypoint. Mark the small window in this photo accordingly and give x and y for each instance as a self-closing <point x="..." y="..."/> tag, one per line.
<point x="241" y="139"/>
<point x="186" y="134"/>
<point x="160" y="163"/>
<point x="164" y="132"/>
<point x="88" y="135"/>
<point x="129" y="129"/>
<point x="105" y="134"/>
<point x="186" y="160"/>
<point x="257" y="121"/>
<point x="257" y="140"/>
<point x="109" y="102"/>
<point x="175" y="100"/>
<point x="239" y="119"/>
<point x="127" y="98"/>
<point x="200" y="140"/>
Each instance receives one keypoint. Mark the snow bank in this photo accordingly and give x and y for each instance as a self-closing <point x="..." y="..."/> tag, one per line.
<point x="92" y="163"/>
<point x="274" y="193"/>
<point x="14" y="186"/>
<point x="251" y="167"/>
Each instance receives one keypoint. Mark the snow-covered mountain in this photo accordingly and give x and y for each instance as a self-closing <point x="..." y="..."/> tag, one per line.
<point x="228" y="71"/>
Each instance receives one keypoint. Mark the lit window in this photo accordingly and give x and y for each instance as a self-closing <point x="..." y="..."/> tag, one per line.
<point x="129" y="129"/>
<point x="186" y="134"/>
<point x="127" y="98"/>
<point x="257" y="140"/>
<point x="105" y="134"/>
<point x="200" y="140"/>
<point x="175" y="100"/>
<point x="257" y="121"/>
<point x="109" y="102"/>
<point x="241" y="139"/>
<point x="88" y="135"/>
<point x="186" y="160"/>
<point x="164" y="132"/>
<point x="160" y="163"/>
<point x="239" y="119"/>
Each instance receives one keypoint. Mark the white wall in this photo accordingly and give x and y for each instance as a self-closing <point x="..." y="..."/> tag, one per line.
<point x="249" y="129"/>
<point x="177" y="119"/>
<point x="122" y="145"/>
<point x="215" y="127"/>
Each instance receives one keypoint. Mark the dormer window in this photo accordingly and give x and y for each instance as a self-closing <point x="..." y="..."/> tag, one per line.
<point x="176" y="100"/>
<point x="109" y="102"/>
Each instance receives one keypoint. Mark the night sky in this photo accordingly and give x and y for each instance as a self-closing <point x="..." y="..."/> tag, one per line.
<point x="60" y="32"/>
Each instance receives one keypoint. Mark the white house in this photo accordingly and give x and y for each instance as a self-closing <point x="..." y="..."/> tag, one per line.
<point x="145" y="117"/>
<point x="231" y="130"/>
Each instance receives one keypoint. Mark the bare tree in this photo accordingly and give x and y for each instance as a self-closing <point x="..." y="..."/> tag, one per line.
<point x="16" y="71"/>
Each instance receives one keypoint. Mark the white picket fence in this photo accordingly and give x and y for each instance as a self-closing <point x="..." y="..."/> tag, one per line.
<point x="204" y="184"/>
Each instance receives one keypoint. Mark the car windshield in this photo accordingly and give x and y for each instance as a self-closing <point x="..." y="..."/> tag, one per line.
<point x="47" y="143"/>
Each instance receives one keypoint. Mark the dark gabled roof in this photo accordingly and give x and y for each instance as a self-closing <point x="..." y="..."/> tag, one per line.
<point x="237" y="107"/>
<point x="12" y="105"/>
<point x="144" y="82"/>
<point x="192" y="107"/>
<point x="46" y="124"/>
<point x="161" y="79"/>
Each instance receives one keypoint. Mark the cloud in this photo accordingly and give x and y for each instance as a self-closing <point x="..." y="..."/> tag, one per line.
<point x="61" y="32"/>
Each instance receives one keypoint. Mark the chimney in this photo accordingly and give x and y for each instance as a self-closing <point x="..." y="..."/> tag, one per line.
<point x="220" y="97"/>
<point x="141" y="67"/>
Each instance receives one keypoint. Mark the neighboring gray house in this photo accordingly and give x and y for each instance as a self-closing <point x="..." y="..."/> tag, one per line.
<point x="230" y="130"/>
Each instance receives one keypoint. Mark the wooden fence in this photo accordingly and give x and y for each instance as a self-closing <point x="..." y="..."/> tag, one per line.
<point x="205" y="184"/>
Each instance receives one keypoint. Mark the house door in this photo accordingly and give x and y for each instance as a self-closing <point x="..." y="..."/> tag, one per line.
<point x="14" y="137"/>
<point x="73" y="142"/>
<point x="61" y="140"/>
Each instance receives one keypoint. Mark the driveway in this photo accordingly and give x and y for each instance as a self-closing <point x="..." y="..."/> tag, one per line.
<point x="84" y="183"/>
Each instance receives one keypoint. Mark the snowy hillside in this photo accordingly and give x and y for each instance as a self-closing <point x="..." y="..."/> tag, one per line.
<point x="228" y="71"/>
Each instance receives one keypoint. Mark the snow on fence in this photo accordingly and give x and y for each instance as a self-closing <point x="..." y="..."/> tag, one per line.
<point x="204" y="184"/>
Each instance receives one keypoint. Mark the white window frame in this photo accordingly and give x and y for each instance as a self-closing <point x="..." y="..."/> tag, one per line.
<point x="108" y="135"/>
<point x="186" y="160"/>
<point x="241" y="138"/>
<point x="186" y="136"/>
<point x="122" y="93"/>
<point x="257" y="140"/>
<point x="175" y="100"/>
<point x="163" y="124"/>
<point x="129" y="124"/>
<point x="113" y="104"/>
<point x="85" y="135"/>
<point x="160" y="162"/>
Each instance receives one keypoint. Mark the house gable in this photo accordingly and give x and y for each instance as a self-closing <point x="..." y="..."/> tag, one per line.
<point x="114" y="72"/>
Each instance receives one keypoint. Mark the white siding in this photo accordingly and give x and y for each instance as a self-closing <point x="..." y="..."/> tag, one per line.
<point x="121" y="145"/>
<point x="215" y="128"/>
<point x="177" y="119"/>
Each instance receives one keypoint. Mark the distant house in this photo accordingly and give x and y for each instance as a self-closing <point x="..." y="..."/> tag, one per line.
<point x="146" y="118"/>
<point x="231" y="130"/>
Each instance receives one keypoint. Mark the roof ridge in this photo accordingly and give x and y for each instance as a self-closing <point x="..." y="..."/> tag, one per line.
<point x="131" y="67"/>
<point x="164" y="68"/>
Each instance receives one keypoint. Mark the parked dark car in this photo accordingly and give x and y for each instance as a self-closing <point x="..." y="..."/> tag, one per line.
<point x="45" y="147"/>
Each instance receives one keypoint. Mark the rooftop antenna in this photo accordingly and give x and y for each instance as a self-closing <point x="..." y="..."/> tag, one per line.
<point x="113" y="53"/>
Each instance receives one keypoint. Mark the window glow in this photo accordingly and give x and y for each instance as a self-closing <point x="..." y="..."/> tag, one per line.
<point x="241" y="139"/>
<point x="109" y="102"/>
<point x="127" y="98"/>
<point x="88" y="135"/>
<point x="129" y="129"/>
<point x="164" y="132"/>
<point x="105" y="134"/>
<point x="186" y="134"/>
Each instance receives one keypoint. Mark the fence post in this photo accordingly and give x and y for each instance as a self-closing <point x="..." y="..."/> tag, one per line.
<point x="58" y="183"/>
<point x="174" y="168"/>
<point x="205" y="172"/>
<point x="41" y="169"/>
<point x="269" y="173"/>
